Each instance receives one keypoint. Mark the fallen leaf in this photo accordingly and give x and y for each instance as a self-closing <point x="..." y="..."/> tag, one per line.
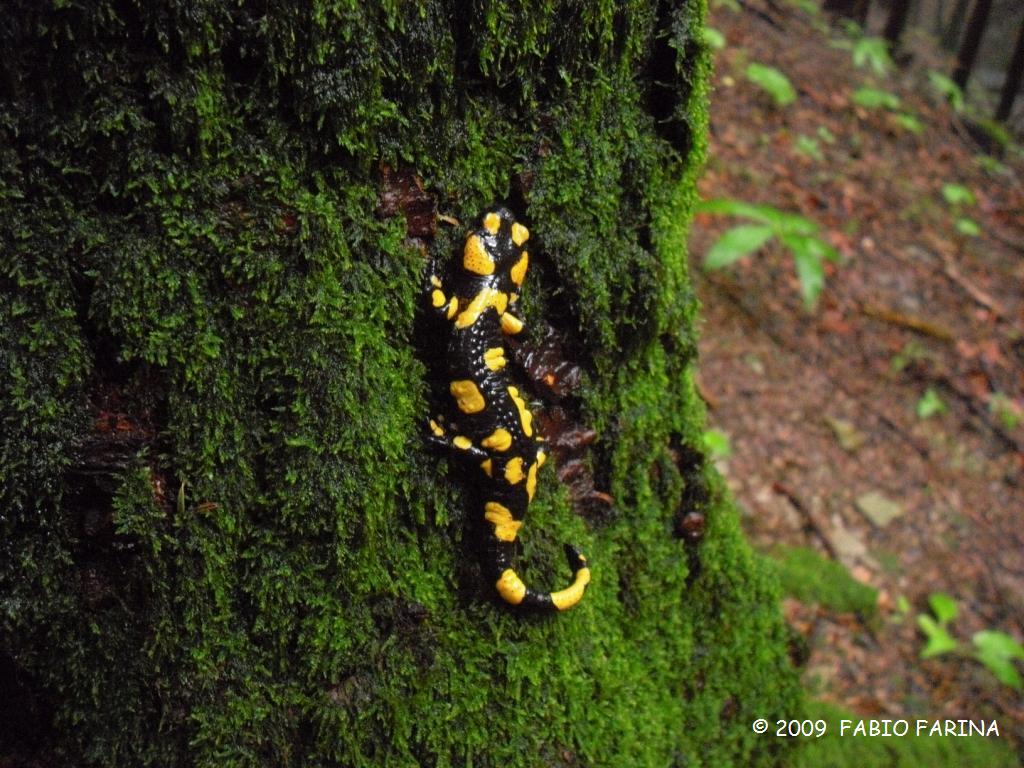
<point x="879" y="509"/>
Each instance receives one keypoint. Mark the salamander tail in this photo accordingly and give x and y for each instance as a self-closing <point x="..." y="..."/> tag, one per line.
<point x="514" y="591"/>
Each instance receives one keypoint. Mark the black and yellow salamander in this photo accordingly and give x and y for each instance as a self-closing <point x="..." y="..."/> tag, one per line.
<point x="492" y="427"/>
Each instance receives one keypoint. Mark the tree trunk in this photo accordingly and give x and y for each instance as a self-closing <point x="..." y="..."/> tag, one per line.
<point x="953" y="29"/>
<point x="1014" y="72"/>
<point x="857" y="10"/>
<point x="971" y="42"/>
<point x="895" y="22"/>
<point x="224" y="540"/>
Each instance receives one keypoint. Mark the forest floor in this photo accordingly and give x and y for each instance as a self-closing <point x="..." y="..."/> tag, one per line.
<point x="832" y="446"/>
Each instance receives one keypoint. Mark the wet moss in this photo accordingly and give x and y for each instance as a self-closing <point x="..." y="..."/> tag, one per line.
<point x="193" y="259"/>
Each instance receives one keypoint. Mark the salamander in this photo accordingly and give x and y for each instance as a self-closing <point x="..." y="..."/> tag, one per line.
<point x="492" y="426"/>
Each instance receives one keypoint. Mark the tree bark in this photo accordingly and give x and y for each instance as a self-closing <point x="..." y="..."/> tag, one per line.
<point x="1014" y="73"/>
<point x="224" y="540"/>
<point x="895" y="22"/>
<point x="857" y="10"/>
<point x="952" y="31"/>
<point x="971" y="42"/>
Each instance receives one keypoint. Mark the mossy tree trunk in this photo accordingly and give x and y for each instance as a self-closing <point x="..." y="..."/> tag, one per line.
<point x="223" y="540"/>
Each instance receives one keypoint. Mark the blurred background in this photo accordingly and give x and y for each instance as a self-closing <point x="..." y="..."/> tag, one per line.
<point x="860" y="260"/>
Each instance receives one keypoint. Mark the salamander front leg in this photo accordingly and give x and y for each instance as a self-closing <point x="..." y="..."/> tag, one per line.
<point x="441" y="303"/>
<point x="458" y="444"/>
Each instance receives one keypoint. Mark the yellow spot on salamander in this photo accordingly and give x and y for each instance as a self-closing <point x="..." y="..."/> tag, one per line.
<point x="514" y="470"/>
<point x="492" y="222"/>
<point x="488" y="297"/>
<point x="494" y="358"/>
<point x="436" y="429"/>
<point x="566" y="598"/>
<point x="475" y="258"/>
<point x="437" y="298"/>
<point x="505" y="527"/>
<point x="462" y="442"/>
<point x="542" y="456"/>
<point x="499" y="440"/>
<point x="488" y="467"/>
<point x="453" y="308"/>
<point x="435" y="281"/>
<point x="467" y="396"/>
<point x="525" y="417"/>
<point x="510" y="323"/>
<point x="511" y="587"/>
<point x="531" y="480"/>
<point x="520" y="234"/>
<point x="519" y="270"/>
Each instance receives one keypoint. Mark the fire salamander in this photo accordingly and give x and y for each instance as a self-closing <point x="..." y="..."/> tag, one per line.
<point x="493" y="428"/>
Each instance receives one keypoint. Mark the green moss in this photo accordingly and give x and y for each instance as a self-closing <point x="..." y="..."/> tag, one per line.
<point x="212" y="360"/>
<point x="811" y="578"/>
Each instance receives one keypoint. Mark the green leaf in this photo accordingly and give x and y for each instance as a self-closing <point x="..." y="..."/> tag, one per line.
<point x="872" y="52"/>
<point x="807" y="256"/>
<point x="780" y="221"/>
<point x="943" y="606"/>
<point x="908" y="122"/>
<point x="948" y="89"/>
<point x="939" y="641"/>
<point x="717" y="444"/>
<point x="930" y="404"/>
<point x="872" y="98"/>
<point x="728" y="207"/>
<point x="772" y="81"/>
<point x="735" y="244"/>
<point x="997" y="650"/>
<point x="999" y="642"/>
<point x="1006" y="410"/>
<point x="967" y="227"/>
<point x="713" y="38"/>
<point x="805" y="145"/>
<point x="958" y="194"/>
<point x="826" y="135"/>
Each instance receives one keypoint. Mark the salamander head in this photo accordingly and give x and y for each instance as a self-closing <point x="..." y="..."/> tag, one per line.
<point x="497" y="247"/>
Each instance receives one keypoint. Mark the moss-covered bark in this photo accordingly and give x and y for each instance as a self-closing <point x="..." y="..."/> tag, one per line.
<point x="223" y="540"/>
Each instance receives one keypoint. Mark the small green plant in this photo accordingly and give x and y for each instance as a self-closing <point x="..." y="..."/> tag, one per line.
<point x="868" y="53"/>
<point x="911" y="352"/>
<point x="958" y="196"/>
<point x="807" y="6"/>
<point x="717" y="444"/>
<point x="968" y="227"/>
<point x="908" y="122"/>
<point x="797" y="234"/>
<point x="874" y="98"/>
<point x="713" y="39"/>
<point x="773" y="82"/>
<point x="998" y="651"/>
<point x="992" y="166"/>
<point x="938" y="638"/>
<point x="947" y="89"/>
<point x="1009" y="413"/>
<point x="994" y="649"/>
<point x="805" y="145"/>
<point x="826" y="135"/>
<point x="930" y="404"/>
